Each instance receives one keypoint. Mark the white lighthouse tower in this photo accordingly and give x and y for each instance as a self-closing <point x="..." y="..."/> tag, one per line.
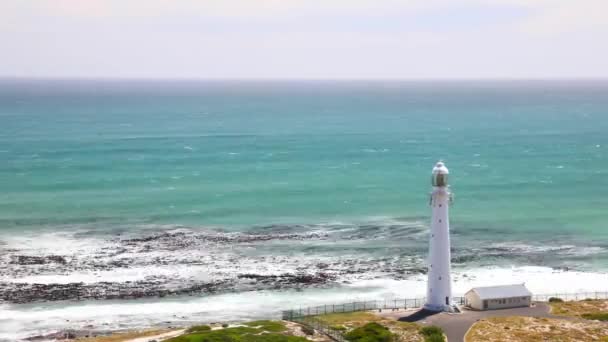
<point x="439" y="287"/>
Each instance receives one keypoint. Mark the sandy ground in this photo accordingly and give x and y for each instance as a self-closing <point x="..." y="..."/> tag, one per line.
<point x="456" y="326"/>
<point x="533" y="329"/>
<point x="159" y="337"/>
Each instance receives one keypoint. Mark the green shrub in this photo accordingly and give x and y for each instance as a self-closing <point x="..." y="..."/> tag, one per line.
<point x="431" y="330"/>
<point x="432" y="333"/>
<point x="598" y="316"/>
<point x="225" y="325"/>
<point x="198" y="328"/>
<point x="371" y="332"/>
<point x="555" y="300"/>
<point x="434" y="338"/>
<point x="338" y="327"/>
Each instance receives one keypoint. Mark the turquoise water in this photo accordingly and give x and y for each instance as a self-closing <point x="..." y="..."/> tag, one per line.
<point x="250" y="197"/>
<point x="526" y="157"/>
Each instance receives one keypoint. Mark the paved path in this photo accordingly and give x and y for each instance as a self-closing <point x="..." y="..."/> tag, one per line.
<point x="456" y="326"/>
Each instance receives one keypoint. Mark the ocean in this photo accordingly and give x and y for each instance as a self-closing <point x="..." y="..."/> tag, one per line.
<point x="133" y="203"/>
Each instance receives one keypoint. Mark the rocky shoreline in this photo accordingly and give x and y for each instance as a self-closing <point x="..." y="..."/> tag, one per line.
<point x="181" y="261"/>
<point x="21" y="293"/>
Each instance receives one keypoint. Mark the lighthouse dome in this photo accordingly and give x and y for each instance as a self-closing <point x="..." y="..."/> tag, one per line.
<point x="440" y="175"/>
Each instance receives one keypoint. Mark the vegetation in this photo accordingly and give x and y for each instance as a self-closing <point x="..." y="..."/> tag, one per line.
<point x="258" y="331"/>
<point x="598" y="316"/>
<point x="402" y="331"/>
<point x="126" y="336"/>
<point x="555" y="300"/>
<point x="198" y="328"/>
<point x="308" y="330"/>
<point x="371" y="332"/>
<point x="272" y="326"/>
<point x="339" y="327"/>
<point x="349" y="317"/>
<point x="432" y="333"/>
<point x="533" y="329"/>
<point x="588" y="309"/>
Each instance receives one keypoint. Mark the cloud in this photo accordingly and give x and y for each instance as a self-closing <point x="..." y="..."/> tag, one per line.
<point x="304" y="38"/>
<point x="562" y="16"/>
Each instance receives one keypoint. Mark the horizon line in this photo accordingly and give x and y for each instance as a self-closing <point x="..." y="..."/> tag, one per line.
<point x="292" y="79"/>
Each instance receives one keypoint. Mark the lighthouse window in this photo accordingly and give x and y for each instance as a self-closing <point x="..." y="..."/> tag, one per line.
<point x="440" y="179"/>
<point x="439" y="220"/>
<point x="439" y="278"/>
<point x="440" y="206"/>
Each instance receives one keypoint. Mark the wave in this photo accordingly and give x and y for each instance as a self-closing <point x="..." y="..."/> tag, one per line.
<point x="149" y="260"/>
<point x="21" y="321"/>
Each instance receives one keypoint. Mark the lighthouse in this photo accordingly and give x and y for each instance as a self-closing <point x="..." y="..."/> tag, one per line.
<point x="439" y="287"/>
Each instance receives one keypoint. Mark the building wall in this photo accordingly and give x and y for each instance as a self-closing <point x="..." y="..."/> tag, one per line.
<point x="503" y="303"/>
<point x="473" y="300"/>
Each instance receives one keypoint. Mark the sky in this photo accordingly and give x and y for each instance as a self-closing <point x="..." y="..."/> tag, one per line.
<point x="304" y="39"/>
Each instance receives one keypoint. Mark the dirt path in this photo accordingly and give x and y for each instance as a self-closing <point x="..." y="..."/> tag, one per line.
<point x="159" y="337"/>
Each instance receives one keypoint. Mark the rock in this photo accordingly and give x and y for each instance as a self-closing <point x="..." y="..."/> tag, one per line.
<point x="37" y="260"/>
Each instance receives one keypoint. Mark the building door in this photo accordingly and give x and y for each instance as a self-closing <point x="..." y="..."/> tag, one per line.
<point x="447" y="300"/>
<point x="485" y="304"/>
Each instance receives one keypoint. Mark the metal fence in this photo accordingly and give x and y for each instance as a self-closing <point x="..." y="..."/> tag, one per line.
<point x="414" y="303"/>
<point x="321" y="327"/>
<point x="571" y="296"/>
<point x="392" y="304"/>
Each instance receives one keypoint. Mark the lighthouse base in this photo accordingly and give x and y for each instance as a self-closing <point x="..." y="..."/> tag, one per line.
<point x="440" y="308"/>
<point x="436" y="308"/>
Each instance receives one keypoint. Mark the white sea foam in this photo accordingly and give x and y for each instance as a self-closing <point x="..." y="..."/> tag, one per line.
<point x="116" y="275"/>
<point x="18" y="321"/>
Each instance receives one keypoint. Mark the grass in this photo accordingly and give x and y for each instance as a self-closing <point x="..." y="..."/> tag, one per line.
<point x="588" y="309"/>
<point x="598" y="316"/>
<point x="257" y="331"/>
<point x="270" y="326"/>
<point x="361" y="317"/>
<point x="121" y="337"/>
<point x="432" y="333"/>
<point x="370" y="332"/>
<point x="198" y="328"/>
<point x="403" y="331"/>
<point x="533" y="329"/>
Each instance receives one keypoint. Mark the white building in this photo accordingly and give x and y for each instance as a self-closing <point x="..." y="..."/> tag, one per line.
<point x="498" y="297"/>
<point x="439" y="286"/>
